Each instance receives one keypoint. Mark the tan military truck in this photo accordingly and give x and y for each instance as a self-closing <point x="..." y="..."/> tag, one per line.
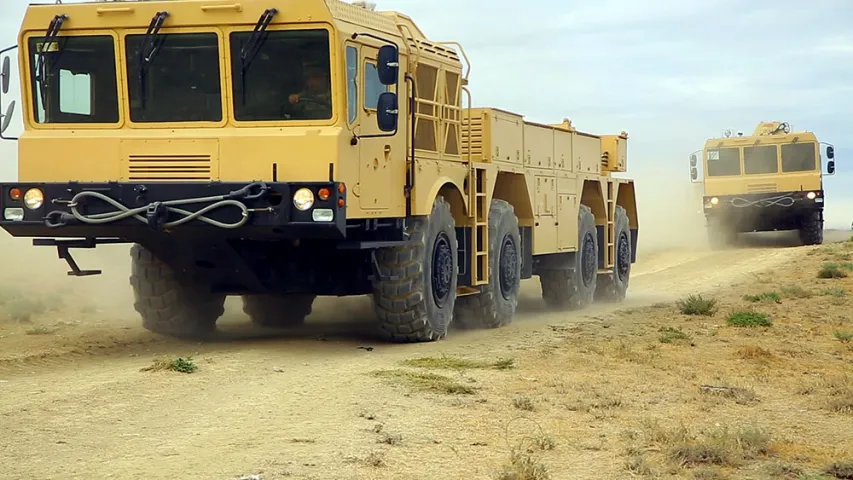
<point x="768" y="181"/>
<point x="282" y="150"/>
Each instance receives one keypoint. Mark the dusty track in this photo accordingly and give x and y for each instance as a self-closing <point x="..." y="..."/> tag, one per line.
<point x="75" y="404"/>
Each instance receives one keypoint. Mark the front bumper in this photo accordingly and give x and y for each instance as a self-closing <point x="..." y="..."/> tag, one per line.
<point x="262" y="210"/>
<point x="796" y="201"/>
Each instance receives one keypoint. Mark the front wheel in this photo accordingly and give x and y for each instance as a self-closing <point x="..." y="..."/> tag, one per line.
<point x="811" y="229"/>
<point x="414" y="289"/>
<point x="720" y="235"/>
<point x="170" y="305"/>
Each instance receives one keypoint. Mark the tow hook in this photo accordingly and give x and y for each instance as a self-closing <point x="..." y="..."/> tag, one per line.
<point x="156" y="214"/>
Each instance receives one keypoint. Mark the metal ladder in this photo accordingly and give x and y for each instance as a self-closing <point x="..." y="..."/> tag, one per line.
<point x="480" y="232"/>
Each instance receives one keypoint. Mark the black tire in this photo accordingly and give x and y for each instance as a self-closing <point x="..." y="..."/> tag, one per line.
<point x="811" y="229"/>
<point x="495" y="304"/>
<point x="278" y="311"/>
<point x="414" y="292"/>
<point x="170" y="306"/>
<point x="613" y="286"/>
<point x="574" y="287"/>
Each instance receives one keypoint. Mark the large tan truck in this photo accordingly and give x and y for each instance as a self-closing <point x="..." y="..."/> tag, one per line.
<point x="282" y="150"/>
<point x="768" y="181"/>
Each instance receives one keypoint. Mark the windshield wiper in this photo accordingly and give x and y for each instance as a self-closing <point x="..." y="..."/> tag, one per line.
<point x="50" y="36"/>
<point x="150" y="46"/>
<point x="253" y="45"/>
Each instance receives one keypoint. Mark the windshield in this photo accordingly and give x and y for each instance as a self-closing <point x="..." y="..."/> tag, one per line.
<point x="181" y="82"/>
<point x="287" y="79"/>
<point x="760" y="160"/>
<point x="798" y="157"/>
<point x="723" y="161"/>
<point x="77" y="80"/>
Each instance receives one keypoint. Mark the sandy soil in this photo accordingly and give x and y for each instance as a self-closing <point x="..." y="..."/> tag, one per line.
<point x="309" y="403"/>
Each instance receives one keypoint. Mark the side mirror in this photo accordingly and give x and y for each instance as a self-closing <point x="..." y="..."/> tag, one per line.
<point x="693" y="160"/>
<point x="387" y="111"/>
<point x="694" y="174"/>
<point x="7" y="117"/>
<point x="388" y="64"/>
<point x="830" y="152"/>
<point x="830" y="167"/>
<point x="4" y="76"/>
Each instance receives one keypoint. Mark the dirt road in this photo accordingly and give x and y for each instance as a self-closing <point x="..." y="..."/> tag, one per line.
<point x="74" y="403"/>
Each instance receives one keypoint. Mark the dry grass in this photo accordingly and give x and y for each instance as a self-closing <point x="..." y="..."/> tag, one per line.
<point x="841" y="469"/>
<point x="426" y="381"/>
<point x="180" y="364"/>
<point x="458" y="363"/>
<point x="697" y="305"/>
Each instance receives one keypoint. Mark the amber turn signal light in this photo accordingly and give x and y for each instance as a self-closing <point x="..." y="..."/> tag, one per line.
<point x="341" y="188"/>
<point x="340" y="203"/>
<point x="324" y="194"/>
<point x="15" y="194"/>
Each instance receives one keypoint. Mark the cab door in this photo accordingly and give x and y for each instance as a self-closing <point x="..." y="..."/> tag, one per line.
<point x="375" y="154"/>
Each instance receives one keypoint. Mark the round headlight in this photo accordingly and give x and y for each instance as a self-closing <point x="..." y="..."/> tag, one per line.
<point x="33" y="199"/>
<point x="715" y="200"/>
<point x="811" y="195"/>
<point x="303" y="199"/>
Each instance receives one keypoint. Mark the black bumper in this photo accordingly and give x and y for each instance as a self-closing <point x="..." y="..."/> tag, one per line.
<point x="797" y="200"/>
<point x="763" y="211"/>
<point x="271" y="212"/>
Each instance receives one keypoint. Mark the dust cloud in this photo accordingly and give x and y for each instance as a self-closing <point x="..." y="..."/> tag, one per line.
<point x="669" y="213"/>
<point x="38" y="271"/>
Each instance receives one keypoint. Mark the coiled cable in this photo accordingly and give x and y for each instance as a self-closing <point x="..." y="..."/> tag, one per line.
<point x="60" y="218"/>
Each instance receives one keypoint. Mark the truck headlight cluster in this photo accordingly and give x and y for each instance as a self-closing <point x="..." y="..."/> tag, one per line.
<point x="303" y="199"/>
<point x="34" y="199"/>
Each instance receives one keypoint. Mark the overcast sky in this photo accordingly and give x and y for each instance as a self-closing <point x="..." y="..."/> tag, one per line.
<point x="670" y="72"/>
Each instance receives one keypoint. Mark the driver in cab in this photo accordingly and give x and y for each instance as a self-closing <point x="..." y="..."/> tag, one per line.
<point x="315" y="100"/>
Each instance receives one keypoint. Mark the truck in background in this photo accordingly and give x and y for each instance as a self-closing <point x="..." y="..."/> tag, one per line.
<point x="768" y="181"/>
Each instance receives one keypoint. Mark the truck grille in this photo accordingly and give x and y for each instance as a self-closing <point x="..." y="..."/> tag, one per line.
<point x="168" y="167"/>
<point x="761" y="188"/>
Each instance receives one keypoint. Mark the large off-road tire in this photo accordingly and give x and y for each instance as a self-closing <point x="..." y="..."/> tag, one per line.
<point x="278" y="311"/>
<point x="811" y="229"/>
<point x="168" y="305"/>
<point x="495" y="304"/>
<point x="613" y="286"/>
<point x="414" y="291"/>
<point x="575" y="286"/>
<point x="720" y="235"/>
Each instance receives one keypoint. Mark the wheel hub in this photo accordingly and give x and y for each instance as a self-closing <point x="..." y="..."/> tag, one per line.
<point x="623" y="257"/>
<point x="442" y="269"/>
<point x="508" y="266"/>
<point x="589" y="262"/>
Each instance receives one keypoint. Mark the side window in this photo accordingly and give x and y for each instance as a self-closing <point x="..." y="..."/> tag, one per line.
<point x="75" y="93"/>
<point x="352" y="83"/>
<point x="372" y="86"/>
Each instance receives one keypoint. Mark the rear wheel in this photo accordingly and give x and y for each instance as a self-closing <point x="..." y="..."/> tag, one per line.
<point x="169" y="305"/>
<point x="278" y="311"/>
<point x="811" y="228"/>
<point x="574" y="286"/>
<point x="612" y="287"/>
<point x="414" y="289"/>
<point x="495" y="304"/>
